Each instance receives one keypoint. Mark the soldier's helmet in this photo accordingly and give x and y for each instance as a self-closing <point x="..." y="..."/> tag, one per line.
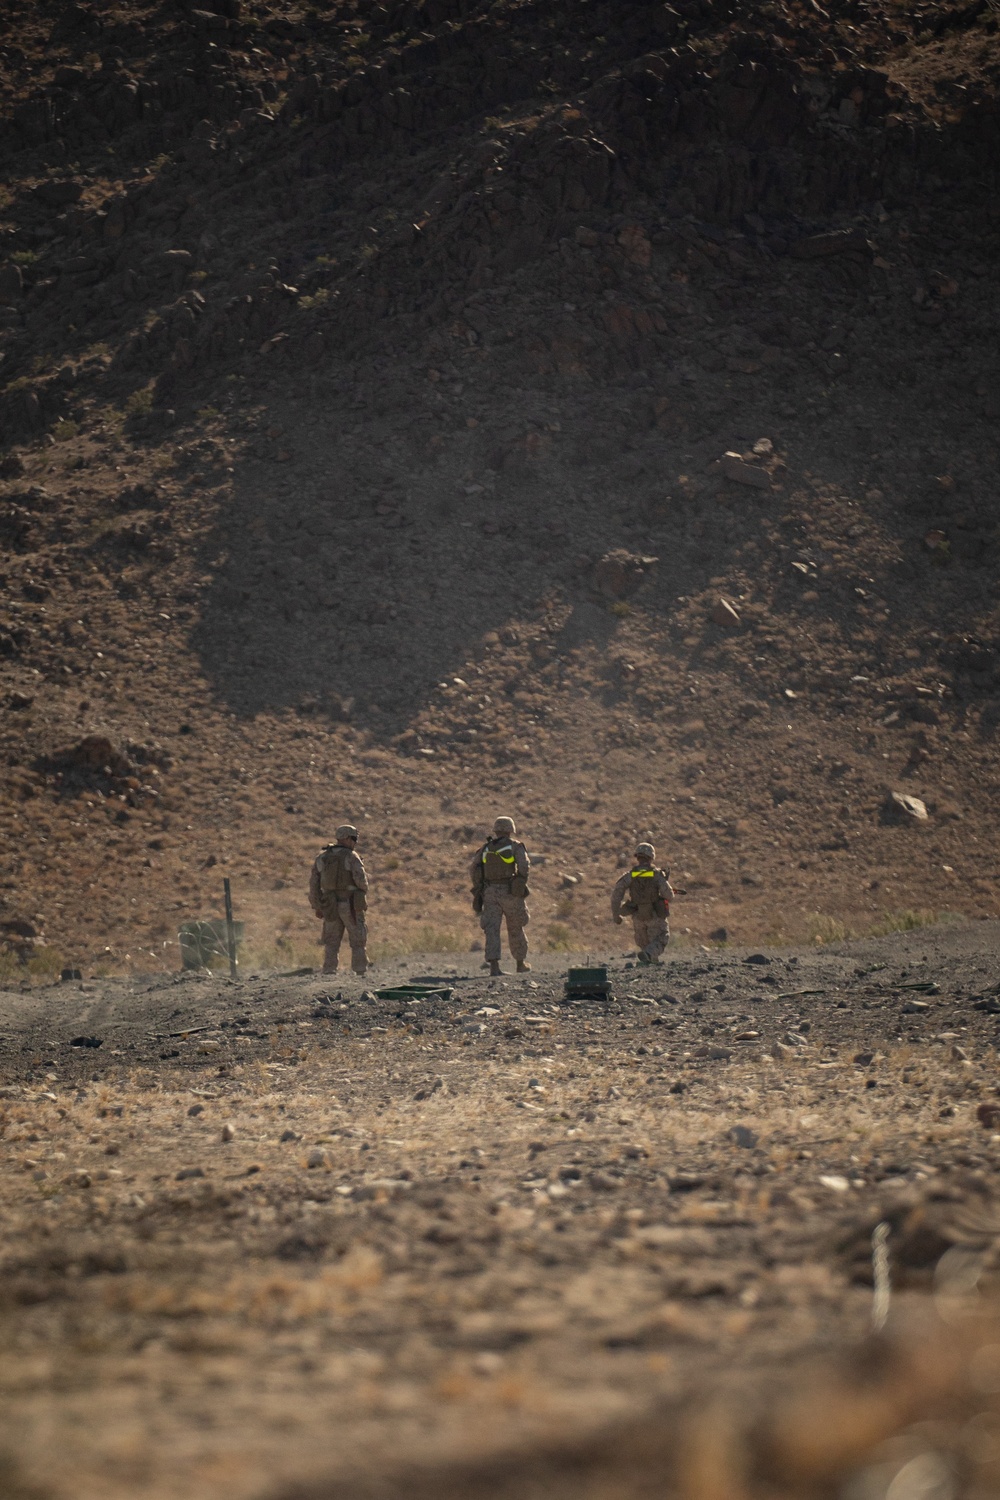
<point x="645" y="851"/>
<point x="346" y="831"/>
<point x="504" y="825"/>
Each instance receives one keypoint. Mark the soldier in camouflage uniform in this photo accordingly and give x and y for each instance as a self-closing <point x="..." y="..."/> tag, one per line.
<point x="644" y="892"/>
<point x="499" y="886"/>
<point x="337" y="888"/>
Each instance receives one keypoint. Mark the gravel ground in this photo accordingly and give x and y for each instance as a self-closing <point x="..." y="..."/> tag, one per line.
<point x="277" y="1231"/>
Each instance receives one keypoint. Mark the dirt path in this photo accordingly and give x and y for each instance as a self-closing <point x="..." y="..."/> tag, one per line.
<point x="463" y="1225"/>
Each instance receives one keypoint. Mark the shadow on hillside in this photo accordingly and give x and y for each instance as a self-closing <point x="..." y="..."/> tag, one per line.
<point x="355" y="605"/>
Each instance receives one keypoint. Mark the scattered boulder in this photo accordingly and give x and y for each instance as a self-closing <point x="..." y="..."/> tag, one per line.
<point x="742" y="1135"/>
<point x="11" y="283"/>
<point x="725" y="614"/>
<point x="96" y="752"/>
<point x="620" y="574"/>
<point x="58" y="193"/>
<point x="902" y="809"/>
<point x="735" y="468"/>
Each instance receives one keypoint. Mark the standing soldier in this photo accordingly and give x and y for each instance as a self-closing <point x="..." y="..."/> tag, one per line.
<point x="337" y="888"/>
<point x="499" y="886"/>
<point x="644" y="892"/>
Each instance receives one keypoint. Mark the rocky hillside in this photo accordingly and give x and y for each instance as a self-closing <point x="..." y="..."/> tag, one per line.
<point x="411" y="411"/>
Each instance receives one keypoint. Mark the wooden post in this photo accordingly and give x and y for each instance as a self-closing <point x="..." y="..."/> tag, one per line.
<point x="230" y="929"/>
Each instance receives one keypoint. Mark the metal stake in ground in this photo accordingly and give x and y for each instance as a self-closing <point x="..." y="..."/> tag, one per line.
<point x="230" y="929"/>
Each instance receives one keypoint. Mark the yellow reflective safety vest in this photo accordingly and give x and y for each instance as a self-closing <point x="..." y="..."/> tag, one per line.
<point x="499" y="861"/>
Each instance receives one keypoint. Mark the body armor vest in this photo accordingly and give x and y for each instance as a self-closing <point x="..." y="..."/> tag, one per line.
<point x="335" y="878"/>
<point x="499" y="860"/>
<point x="643" y="895"/>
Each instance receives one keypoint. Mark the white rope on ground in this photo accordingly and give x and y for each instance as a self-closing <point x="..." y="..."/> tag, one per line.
<point x="880" y="1276"/>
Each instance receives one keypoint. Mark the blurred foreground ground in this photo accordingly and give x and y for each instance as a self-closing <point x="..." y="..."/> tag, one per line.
<point x="273" y="1238"/>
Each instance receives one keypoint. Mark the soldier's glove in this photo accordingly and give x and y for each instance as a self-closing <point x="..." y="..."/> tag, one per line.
<point x="618" y="921"/>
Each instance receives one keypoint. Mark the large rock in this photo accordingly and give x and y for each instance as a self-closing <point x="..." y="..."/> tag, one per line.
<point x="901" y="808"/>
<point x="736" y="469"/>
<point x="620" y="574"/>
<point x="11" y="283"/>
<point x="725" y="614"/>
<point x="96" y="752"/>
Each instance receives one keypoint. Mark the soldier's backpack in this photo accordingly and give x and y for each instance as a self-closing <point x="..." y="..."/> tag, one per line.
<point x="335" y="879"/>
<point x="643" y="898"/>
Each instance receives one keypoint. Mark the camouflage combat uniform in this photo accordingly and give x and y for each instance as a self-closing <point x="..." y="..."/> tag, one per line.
<point x="337" y="889"/>
<point x="500" y="872"/>
<point x="644" y="893"/>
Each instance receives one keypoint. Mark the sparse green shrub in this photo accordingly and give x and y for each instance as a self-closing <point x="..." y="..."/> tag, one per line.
<point x="140" y="403"/>
<point x="315" y="299"/>
<point x="557" y="938"/>
<point x="64" y="430"/>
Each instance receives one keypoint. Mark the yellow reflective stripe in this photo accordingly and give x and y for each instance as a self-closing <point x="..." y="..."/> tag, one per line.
<point x="511" y="861"/>
<point x="643" y="874"/>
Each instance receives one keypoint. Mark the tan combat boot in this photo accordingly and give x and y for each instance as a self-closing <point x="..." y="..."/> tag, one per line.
<point x="523" y="967"/>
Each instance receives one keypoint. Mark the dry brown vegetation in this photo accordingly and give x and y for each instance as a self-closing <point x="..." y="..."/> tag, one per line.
<point x="270" y="1239"/>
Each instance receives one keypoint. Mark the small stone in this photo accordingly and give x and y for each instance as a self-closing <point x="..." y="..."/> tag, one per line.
<point x="196" y="1109"/>
<point x="317" y="1159"/>
<point x="835" y="1183"/>
<point x="228" y="1132"/>
<point x="763" y="447"/>
<point x="736" y="469"/>
<point x="834" y="242"/>
<point x="915" y="1007"/>
<point x="988" y="1116"/>
<point x="742" y="1135"/>
<point x="863" y="1058"/>
<point x="288" y="1135"/>
<point x="958" y="1053"/>
<point x="603" y="1182"/>
<point x="187" y="1173"/>
<point x="713" y="1054"/>
<point x="725" y="614"/>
